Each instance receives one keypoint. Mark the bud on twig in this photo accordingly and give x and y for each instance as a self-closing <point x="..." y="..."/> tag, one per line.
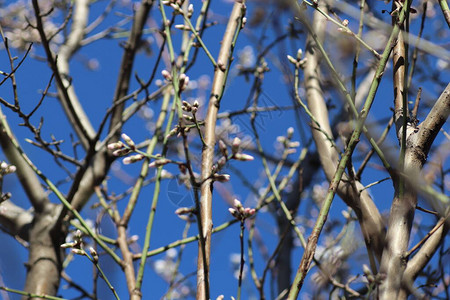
<point x="68" y="245"/>
<point x="116" y="145"/>
<point x="128" y="141"/>
<point x="221" y="162"/>
<point x="122" y="152"/>
<point x="299" y="54"/>
<point x="166" y="75"/>
<point x="159" y="162"/>
<point x="185" y="210"/>
<point x="183" y="82"/>
<point x="190" y="10"/>
<point x="132" y="159"/>
<point x="239" y="212"/>
<point x="292" y="60"/>
<point x="235" y="145"/>
<point x="244" y="21"/>
<point x="221" y="177"/>
<point x="94" y="255"/>
<point x="223" y="148"/>
<point x="243" y="157"/>
<point x="78" y="251"/>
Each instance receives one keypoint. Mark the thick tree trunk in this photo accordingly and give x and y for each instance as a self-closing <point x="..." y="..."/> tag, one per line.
<point x="45" y="254"/>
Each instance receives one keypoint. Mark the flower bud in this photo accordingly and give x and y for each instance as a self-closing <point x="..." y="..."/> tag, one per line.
<point x="290" y="132"/>
<point x="222" y="161"/>
<point x="183" y="82"/>
<point x="190" y="10"/>
<point x="182" y="27"/>
<point x="10" y="169"/>
<point x="234" y="212"/>
<point x="132" y="159"/>
<point x="235" y="145"/>
<point x="221" y="177"/>
<point x="128" y="141"/>
<point x="116" y="145"/>
<point x="121" y="152"/>
<point x="299" y="54"/>
<point x="186" y="106"/>
<point x="292" y="60"/>
<point x="244" y="21"/>
<point x="94" y="255"/>
<point x="68" y="245"/>
<point x="166" y="75"/>
<point x="223" y="148"/>
<point x="78" y="251"/>
<point x="243" y="157"/>
<point x="159" y="162"/>
<point x="184" y="210"/>
<point x="366" y="270"/>
<point x="237" y="203"/>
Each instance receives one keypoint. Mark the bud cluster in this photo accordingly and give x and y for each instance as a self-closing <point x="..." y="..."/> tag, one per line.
<point x="5" y="168"/>
<point x="178" y="130"/>
<point x="297" y="62"/>
<point x="240" y="212"/>
<point x="175" y="4"/>
<point x="187" y="107"/>
<point x="76" y="244"/>
<point x="235" y="146"/>
<point x="76" y="247"/>
<point x="124" y="148"/>
<point x="183" y="81"/>
<point x="121" y="149"/>
<point x="287" y="143"/>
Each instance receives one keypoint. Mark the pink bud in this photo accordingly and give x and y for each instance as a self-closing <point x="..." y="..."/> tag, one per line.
<point x="166" y="75"/>
<point x="121" y="152"/>
<point x="115" y="146"/>
<point x="159" y="162"/>
<point x="128" y="140"/>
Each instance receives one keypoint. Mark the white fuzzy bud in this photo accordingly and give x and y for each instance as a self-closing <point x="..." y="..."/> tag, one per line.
<point x="243" y="157"/>
<point x="166" y="75"/>
<point x="128" y="140"/>
<point x="159" y="162"/>
<point x="132" y="159"/>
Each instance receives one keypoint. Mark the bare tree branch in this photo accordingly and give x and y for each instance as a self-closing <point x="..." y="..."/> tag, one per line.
<point x="220" y="77"/>
<point x="28" y="179"/>
<point x="368" y="215"/>
<point x="404" y="204"/>
<point x="15" y="219"/>
<point x="421" y="258"/>
<point x="66" y="94"/>
<point x="126" y="66"/>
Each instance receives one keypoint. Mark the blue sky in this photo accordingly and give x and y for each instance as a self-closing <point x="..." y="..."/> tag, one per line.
<point x="95" y="89"/>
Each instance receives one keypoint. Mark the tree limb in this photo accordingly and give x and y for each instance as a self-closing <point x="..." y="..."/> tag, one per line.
<point x="220" y="76"/>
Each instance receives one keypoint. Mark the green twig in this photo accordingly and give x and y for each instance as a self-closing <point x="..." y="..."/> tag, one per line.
<point x="30" y="295"/>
